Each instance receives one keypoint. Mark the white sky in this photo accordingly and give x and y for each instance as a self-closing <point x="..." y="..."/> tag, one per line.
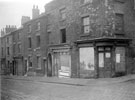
<point x="11" y="11"/>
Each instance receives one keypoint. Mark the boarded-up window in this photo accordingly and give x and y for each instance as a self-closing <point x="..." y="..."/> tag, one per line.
<point x="87" y="62"/>
<point x="120" y="59"/>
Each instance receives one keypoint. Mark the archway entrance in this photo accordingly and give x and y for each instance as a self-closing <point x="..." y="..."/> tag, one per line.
<point x="49" y="65"/>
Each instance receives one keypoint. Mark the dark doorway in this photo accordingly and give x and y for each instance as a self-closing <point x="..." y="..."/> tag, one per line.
<point x="49" y="66"/>
<point x="104" y="62"/>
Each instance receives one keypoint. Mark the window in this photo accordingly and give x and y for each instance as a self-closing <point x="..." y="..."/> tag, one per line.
<point x="38" y="40"/>
<point x="8" y="40"/>
<point x="86" y="24"/>
<point x="49" y="37"/>
<point x="8" y="52"/>
<point x="119" y="23"/>
<point x="29" y="28"/>
<point x="14" y="48"/>
<point x="2" y="52"/>
<point x="38" y="62"/>
<point x="49" y="27"/>
<point x="106" y="2"/>
<point x="86" y="61"/>
<point x="38" y="26"/>
<point x="134" y="4"/>
<point x="63" y="13"/>
<point x="29" y="42"/>
<point x="19" y="48"/>
<point x="86" y="1"/>
<point x="63" y="35"/>
<point x="19" y="35"/>
<point x="30" y="61"/>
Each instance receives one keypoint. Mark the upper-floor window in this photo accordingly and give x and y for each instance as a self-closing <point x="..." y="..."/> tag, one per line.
<point x="119" y="23"/>
<point x="49" y="26"/>
<point x="38" y="26"/>
<point x="29" y="28"/>
<point x="14" y="47"/>
<point x="63" y="35"/>
<point x="87" y="1"/>
<point x="19" y="48"/>
<point x="38" y="40"/>
<point x="63" y="13"/>
<point x="29" y="42"/>
<point x="8" y="51"/>
<point x="2" y="51"/>
<point x="8" y="40"/>
<point x="134" y="4"/>
<point x="86" y="24"/>
<point x="19" y="34"/>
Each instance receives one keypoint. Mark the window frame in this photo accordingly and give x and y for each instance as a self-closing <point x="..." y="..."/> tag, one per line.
<point x="63" y="35"/>
<point x="87" y="25"/>
<point x="62" y="13"/>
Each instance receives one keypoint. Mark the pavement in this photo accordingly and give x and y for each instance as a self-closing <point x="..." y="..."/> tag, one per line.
<point x="73" y="81"/>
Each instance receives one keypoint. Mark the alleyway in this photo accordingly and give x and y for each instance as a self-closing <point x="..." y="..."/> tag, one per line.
<point x="23" y="88"/>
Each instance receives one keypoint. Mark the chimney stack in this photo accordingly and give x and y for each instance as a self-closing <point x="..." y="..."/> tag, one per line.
<point x="24" y="19"/>
<point x="35" y="12"/>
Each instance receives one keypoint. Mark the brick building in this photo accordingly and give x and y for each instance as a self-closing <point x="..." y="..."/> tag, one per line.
<point x="90" y="38"/>
<point x="77" y="38"/>
<point x="17" y="45"/>
<point x="6" y="50"/>
<point x="35" y="44"/>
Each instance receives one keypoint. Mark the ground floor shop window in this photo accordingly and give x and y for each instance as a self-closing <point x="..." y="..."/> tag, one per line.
<point x="62" y="64"/>
<point x="120" y="59"/>
<point x="86" y="62"/>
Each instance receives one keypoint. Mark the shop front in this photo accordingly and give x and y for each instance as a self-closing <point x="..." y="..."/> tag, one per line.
<point x="102" y="57"/>
<point x="59" y="62"/>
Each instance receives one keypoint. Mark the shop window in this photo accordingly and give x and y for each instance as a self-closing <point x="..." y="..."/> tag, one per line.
<point x="63" y="35"/>
<point x="87" y="62"/>
<point x="86" y="24"/>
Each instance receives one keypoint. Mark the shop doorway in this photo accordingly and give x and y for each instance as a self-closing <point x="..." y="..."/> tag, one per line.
<point x="105" y="61"/>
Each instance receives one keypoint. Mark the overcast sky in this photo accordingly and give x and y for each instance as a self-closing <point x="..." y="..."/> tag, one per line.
<point x="11" y="11"/>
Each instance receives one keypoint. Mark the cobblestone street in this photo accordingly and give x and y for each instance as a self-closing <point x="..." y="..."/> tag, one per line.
<point x="93" y="89"/>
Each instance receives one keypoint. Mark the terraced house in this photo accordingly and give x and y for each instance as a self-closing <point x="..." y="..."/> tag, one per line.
<point x="80" y="39"/>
